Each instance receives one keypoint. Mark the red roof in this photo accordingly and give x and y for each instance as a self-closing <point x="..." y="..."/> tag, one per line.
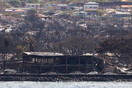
<point x="19" y="10"/>
<point x="126" y="6"/>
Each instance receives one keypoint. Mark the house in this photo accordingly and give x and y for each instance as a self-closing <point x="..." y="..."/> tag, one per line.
<point x="125" y="0"/>
<point x="61" y="7"/>
<point x="32" y="5"/>
<point x="76" y="6"/>
<point x="43" y="17"/>
<point x="19" y="11"/>
<point x="125" y="8"/>
<point x="49" y="5"/>
<point x="6" y="0"/>
<point x="80" y="13"/>
<point x="91" y="7"/>
<point x="79" y="4"/>
<point x="72" y="6"/>
<point x="121" y="14"/>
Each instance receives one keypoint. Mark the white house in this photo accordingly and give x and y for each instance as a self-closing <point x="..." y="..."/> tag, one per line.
<point x="32" y="5"/>
<point x="80" y="13"/>
<point x="61" y="7"/>
<point x="91" y="6"/>
<point x="122" y="14"/>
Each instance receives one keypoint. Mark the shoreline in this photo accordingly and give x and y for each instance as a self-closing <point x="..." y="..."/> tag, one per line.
<point x="66" y="78"/>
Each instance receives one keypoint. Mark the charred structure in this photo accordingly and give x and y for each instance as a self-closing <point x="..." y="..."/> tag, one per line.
<point x="44" y="62"/>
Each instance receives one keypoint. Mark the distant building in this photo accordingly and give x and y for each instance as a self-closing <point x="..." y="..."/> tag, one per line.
<point x="50" y="5"/>
<point x="61" y="7"/>
<point x="126" y="8"/>
<point x="6" y="0"/>
<point x="43" y="17"/>
<point x="121" y="14"/>
<point x="125" y="0"/>
<point x="80" y="13"/>
<point x="91" y="8"/>
<point x="78" y="8"/>
<point x="32" y="5"/>
<point x="79" y="4"/>
<point x="19" y="11"/>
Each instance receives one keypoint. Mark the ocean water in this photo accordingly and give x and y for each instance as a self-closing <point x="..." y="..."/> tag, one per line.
<point x="65" y="84"/>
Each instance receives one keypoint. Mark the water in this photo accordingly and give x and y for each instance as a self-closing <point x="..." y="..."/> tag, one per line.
<point x="65" y="84"/>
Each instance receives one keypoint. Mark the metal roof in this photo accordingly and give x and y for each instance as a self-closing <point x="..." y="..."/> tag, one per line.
<point x="43" y="54"/>
<point x="32" y="4"/>
<point x="91" y="3"/>
<point x="122" y="13"/>
<point x="54" y="54"/>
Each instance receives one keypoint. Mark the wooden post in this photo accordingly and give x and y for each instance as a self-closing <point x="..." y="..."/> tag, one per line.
<point x="54" y="59"/>
<point x="79" y="63"/>
<point x="66" y="65"/>
<point x="39" y="69"/>
<point x="104" y="64"/>
<point x="40" y="66"/>
<point x="25" y="67"/>
<point x="47" y="61"/>
<point x="92" y="63"/>
<point x="24" y="64"/>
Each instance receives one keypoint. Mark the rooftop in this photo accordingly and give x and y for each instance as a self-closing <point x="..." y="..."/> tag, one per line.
<point x="62" y="5"/>
<point x="122" y="13"/>
<point x="92" y="3"/>
<point x="43" y="53"/>
<point x="32" y="4"/>
<point x="126" y="6"/>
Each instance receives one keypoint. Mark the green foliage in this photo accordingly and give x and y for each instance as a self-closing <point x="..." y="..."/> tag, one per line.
<point x="32" y="1"/>
<point x="100" y="12"/>
<point x="15" y="3"/>
<point x="31" y="44"/>
<point x="20" y="49"/>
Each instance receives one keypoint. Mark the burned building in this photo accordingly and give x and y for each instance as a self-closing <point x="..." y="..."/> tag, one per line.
<point x="43" y="62"/>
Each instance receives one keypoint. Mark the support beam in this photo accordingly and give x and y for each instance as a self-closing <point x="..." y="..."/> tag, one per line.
<point x="54" y="63"/>
<point x="79" y="62"/>
<point x="66" y="65"/>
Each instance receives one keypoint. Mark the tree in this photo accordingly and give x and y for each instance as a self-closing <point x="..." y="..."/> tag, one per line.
<point x="31" y="16"/>
<point x="100" y="12"/>
<point x="121" y="47"/>
<point x="15" y="3"/>
<point x="32" y="1"/>
<point x="32" y="19"/>
<point x="77" y="45"/>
